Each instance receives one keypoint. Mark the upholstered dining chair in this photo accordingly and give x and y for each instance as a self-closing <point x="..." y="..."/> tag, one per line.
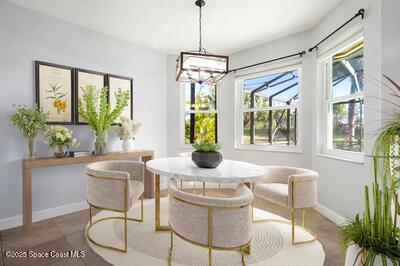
<point x="114" y="186"/>
<point x="290" y="187"/>
<point x="213" y="223"/>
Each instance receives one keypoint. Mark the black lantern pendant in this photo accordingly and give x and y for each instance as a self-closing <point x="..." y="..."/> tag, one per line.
<point x="200" y="66"/>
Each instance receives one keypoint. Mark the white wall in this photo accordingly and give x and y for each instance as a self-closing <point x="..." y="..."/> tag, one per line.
<point x="27" y="36"/>
<point x="341" y="183"/>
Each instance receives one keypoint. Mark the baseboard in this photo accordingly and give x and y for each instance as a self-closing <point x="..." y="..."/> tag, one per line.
<point x="44" y="214"/>
<point x="331" y="215"/>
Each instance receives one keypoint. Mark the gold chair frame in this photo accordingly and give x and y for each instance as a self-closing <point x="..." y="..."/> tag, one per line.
<point x="125" y="217"/>
<point x="293" y="219"/>
<point x="209" y="246"/>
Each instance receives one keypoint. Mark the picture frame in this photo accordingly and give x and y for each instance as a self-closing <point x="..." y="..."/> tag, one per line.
<point x="115" y="82"/>
<point x="84" y="77"/>
<point x="54" y="91"/>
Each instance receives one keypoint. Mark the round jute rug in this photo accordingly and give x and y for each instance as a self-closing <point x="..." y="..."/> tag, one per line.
<point x="270" y="245"/>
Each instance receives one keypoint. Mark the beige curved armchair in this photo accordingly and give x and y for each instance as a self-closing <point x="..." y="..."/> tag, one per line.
<point x="213" y="223"/>
<point x="290" y="187"/>
<point x="114" y="186"/>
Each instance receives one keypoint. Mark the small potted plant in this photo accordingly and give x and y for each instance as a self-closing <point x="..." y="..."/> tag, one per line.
<point x="206" y="153"/>
<point x="126" y="131"/>
<point x="30" y="121"/>
<point x="98" y="113"/>
<point x="59" y="139"/>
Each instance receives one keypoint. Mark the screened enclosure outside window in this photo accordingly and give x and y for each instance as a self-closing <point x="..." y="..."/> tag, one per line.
<point x="200" y="112"/>
<point x="269" y="109"/>
<point x="344" y="98"/>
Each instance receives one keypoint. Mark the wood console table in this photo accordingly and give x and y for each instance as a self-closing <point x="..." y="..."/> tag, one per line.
<point x="29" y="164"/>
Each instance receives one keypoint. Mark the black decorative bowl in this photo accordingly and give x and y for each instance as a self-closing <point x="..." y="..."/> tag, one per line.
<point x="206" y="159"/>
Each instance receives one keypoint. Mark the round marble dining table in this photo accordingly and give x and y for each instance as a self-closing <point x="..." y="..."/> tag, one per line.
<point x="229" y="171"/>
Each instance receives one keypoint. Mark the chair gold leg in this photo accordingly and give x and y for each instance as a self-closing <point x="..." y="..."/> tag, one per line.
<point x="126" y="232"/>
<point x="90" y="215"/>
<point x="304" y="217"/>
<point x="247" y="249"/>
<point x="171" y="248"/>
<point x="293" y="225"/>
<point x="141" y="209"/>
<point x="204" y="188"/>
<point x="219" y="185"/>
<point x="181" y="184"/>
<point x="243" y="260"/>
<point x="209" y="257"/>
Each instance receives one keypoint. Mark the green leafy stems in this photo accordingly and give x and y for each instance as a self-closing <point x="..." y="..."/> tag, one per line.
<point x="31" y="121"/>
<point x="100" y="116"/>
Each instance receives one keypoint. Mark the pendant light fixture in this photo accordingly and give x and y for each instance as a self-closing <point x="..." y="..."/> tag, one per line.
<point x="201" y="66"/>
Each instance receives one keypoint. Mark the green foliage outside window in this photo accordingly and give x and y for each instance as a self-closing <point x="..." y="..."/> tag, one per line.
<point x="205" y="99"/>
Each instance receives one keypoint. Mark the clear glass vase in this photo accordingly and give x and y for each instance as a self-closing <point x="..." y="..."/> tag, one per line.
<point x="30" y="147"/>
<point x="100" y="142"/>
<point x="60" y="151"/>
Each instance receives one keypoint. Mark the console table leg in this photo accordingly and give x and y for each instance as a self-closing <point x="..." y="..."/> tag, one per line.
<point x="27" y="199"/>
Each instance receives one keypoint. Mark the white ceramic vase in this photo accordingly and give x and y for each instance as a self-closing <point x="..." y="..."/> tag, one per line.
<point x="127" y="145"/>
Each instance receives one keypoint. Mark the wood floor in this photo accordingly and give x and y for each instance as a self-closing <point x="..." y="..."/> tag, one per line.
<point x="65" y="233"/>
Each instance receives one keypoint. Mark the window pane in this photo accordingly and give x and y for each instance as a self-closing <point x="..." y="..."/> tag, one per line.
<point x="203" y="98"/>
<point x="259" y="126"/>
<point x="348" y="70"/>
<point x="277" y="89"/>
<point x="283" y="129"/>
<point x="202" y="125"/>
<point x="347" y="125"/>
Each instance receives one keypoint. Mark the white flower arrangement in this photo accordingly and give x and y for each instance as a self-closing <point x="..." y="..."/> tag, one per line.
<point x="59" y="136"/>
<point x="127" y="129"/>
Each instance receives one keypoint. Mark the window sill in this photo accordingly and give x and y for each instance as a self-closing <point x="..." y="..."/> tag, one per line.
<point x="337" y="157"/>
<point x="283" y="149"/>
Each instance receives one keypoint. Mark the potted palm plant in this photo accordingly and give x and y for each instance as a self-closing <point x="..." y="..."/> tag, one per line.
<point x="373" y="237"/>
<point x="98" y="114"/>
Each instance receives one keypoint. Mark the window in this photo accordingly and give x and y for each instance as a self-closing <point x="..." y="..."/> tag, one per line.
<point x="268" y="110"/>
<point x="200" y="112"/>
<point x="344" y="101"/>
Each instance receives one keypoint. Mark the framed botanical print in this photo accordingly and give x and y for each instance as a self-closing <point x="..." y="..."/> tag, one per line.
<point x="114" y="83"/>
<point x="85" y="78"/>
<point x="54" y="91"/>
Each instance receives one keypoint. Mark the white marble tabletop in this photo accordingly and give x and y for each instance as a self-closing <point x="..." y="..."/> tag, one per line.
<point x="228" y="171"/>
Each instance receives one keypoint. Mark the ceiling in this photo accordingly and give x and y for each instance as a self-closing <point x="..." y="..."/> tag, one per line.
<point x="169" y="26"/>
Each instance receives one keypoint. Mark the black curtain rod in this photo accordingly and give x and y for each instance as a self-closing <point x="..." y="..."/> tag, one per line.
<point x="269" y="61"/>
<point x="359" y="13"/>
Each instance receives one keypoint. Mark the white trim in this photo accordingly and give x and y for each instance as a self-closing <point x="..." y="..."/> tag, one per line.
<point x="239" y="109"/>
<point x="331" y="215"/>
<point x="268" y="147"/>
<point x="340" y="41"/>
<point x="15" y="221"/>
<point x="324" y="130"/>
<point x="183" y="112"/>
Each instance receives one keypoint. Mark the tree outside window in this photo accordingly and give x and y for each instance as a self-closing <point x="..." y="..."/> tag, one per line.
<point x="200" y="113"/>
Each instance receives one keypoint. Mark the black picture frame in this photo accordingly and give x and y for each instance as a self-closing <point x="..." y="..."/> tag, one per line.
<point x="38" y="89"/>
<point x="130" y="79"/>
<point x="76" y="88"/>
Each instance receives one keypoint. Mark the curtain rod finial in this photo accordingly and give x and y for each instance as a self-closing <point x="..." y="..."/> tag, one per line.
<point x="361" y="12"/>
